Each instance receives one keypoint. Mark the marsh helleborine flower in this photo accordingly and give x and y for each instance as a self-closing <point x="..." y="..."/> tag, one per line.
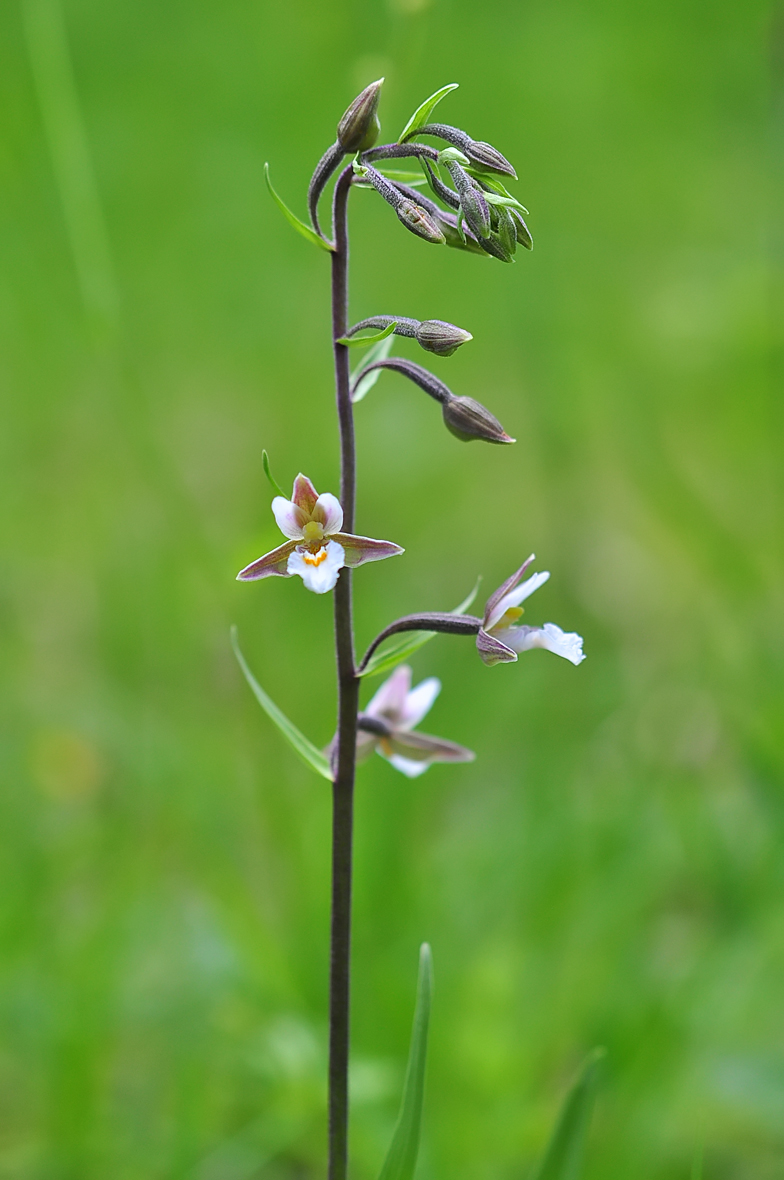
<point x="387" y="722"/>
<point x="502" y="637"/>
<point x="317" y="550"/>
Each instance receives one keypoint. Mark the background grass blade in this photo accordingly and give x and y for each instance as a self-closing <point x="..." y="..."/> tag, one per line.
<point x="564" y="1155"/>
<point x="421" y="115"/>
<point x="401" y="1160"/>
<point x="53" y="75"/>
<point x="309" y="753"/>
<point x="299" y="226"/>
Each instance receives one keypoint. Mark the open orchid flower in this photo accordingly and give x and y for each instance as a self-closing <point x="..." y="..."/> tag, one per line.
<point x="391" y="715"/>
<point x="502" y="637"/>
<point x="316" y="550"/>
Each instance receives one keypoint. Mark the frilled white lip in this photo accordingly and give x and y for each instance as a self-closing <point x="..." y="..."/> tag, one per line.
<point x="316" y="549"/>
<point x="499" y="643"/>
<point x="402" y="708"/>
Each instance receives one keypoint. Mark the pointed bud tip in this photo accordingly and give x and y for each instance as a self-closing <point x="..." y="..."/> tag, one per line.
<point x="468" y="419"/>
<point x="358" y="129"/>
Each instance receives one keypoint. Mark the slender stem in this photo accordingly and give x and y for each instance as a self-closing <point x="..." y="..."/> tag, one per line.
<point x="348" y="706"/>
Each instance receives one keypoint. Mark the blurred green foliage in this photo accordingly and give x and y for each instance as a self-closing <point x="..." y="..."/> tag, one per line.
<point x="609" y="871"/>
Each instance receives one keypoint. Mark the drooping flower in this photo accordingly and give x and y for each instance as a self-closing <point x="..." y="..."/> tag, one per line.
<point x="502" y="636"/>
<point x="388" y="720"/>
<point x="316" y="550"/>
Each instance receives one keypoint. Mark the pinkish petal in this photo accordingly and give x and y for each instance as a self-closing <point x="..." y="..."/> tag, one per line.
<point x="493" y="651"/>
<point x="362" y="549"/>
<point x="274" y="562"/>
<point x="304" y="494"/>
<point x="390" y="700"/>
<point x="419" y="702"/>
<point x="289" y="517"/>
<point x="327" y="512"/>
<point x="503" y="589"/>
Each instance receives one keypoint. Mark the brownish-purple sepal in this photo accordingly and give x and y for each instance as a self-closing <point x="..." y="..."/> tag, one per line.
<point x="493" y="651"/>
<point x="505" y="587"/>
<point x="422" y="747"/>
<point x="272" y="563"/>
<point x="304" y="494"/>
<point x="359" y="550"/>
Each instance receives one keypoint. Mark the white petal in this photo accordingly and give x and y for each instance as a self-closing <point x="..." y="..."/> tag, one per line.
<point x="389" y="701"/>
<point x="319" y="571"/>
<point x="419" y="702"/>
<point x="289" y="517"/>
<point x="328" y="513"/>
<point x="407" y="766"/>
<point x="550" y="637"/>
<point x="515" y="597"/>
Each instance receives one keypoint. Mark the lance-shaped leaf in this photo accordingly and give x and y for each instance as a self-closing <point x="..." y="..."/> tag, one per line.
<point x="405" y="645"/>
<point x="564" y="1155"/>
<point x="309" y="753"/>
<point x="401" y="1159"/>
<point x="265" y="463"/>
<point x="363" y="341"/>
<point x="421" y="115"/>
<point x="309" y="234"/>
<point x="361" y="385"/>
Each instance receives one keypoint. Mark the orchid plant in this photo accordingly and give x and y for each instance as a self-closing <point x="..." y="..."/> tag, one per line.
<point x="474" y="213"/>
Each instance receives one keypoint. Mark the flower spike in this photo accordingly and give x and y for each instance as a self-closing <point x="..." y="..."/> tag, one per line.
<point x="316" y="548"/>
<point x="501" y="637"/>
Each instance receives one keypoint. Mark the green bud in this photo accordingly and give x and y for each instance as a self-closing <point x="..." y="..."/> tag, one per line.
<point x="358" y="129"/>
<point x="506" y="230"/>
<point x="468" y="419"/>
<point x="484" y="155"/>
<point x="419" y="221"/>
<point x="441" y="338"/>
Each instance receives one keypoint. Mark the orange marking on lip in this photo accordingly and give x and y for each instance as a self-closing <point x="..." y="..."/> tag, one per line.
<point x="315" y="558"/>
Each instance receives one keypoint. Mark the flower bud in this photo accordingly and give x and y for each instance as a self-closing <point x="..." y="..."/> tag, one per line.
<point x="522" y="231"/>
<point x="484" y="155"/>
<point x="441" y="338"/>
<point x="467" y="419"/>
<point x="358" y="129"/>
<point x="419" y="221"/>
<point x="507" y="235"/>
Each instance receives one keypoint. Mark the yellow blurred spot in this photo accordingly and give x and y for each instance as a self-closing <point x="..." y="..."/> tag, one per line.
<point x="65" y="765"/>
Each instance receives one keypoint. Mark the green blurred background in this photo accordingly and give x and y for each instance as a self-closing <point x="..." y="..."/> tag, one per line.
<point x="610" y="870"/>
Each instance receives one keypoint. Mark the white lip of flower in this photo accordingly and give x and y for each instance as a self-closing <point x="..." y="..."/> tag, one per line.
<point x="502" y="637"/>
<point x="316" y="550"/>
<point x="398" y="708"/>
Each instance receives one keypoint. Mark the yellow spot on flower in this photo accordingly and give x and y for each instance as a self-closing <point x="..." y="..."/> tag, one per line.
<point x="509" y="617"/>
<point x="315" y="559"/>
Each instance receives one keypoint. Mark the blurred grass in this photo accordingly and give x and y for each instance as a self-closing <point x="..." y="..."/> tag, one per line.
<point x="609" y="870"/>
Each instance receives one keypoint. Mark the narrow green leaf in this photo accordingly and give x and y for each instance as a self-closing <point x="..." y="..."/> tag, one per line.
<point x="508" y="202"/>
<point x="379" y="352"/>
<point x="309" y="753"/>
<point x="401" y="1159"/>
<point x="421" y="115"/>
<point x="299" y="226"/>
<point x="493" y="183"/>
<point x="403" y="646"/>
<point x="402" y="175"/>
<point x="563" y="1158"/>
<point x="363" y="341"/>
<point x="273" y="482"/>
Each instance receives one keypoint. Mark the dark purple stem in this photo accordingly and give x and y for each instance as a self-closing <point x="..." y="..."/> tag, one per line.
<point x="348" y="707"/>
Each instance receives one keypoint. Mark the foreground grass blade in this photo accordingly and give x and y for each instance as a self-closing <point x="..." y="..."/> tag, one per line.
<point x="292" y="218"/>
<point x="421" y="116"/>
<point x="405" y="645"/>
<point x="267" y="471"/>
<point x="379" y="352"/>
<point x="564" y="1155"/>
<point x="356" y="341"/>
<point x="309" y="753"/>
<point x="401" y="1160"/>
